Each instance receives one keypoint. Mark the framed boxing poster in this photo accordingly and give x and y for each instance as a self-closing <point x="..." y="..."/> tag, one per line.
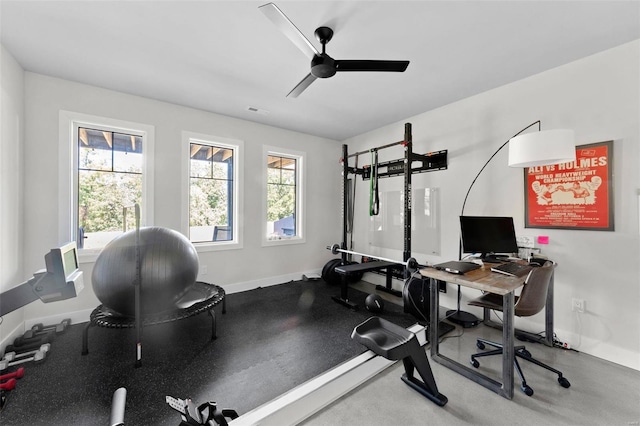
<point x="575" y="195"/>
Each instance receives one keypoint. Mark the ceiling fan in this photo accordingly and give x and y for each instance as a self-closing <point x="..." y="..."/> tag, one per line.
<point x="322" y="65"/>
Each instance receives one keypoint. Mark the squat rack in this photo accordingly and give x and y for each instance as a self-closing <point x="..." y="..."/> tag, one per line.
<point x="404" y="166"/>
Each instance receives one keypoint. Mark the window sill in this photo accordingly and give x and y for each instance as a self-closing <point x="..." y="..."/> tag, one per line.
<point x="283" y="241"/>
<point x="219" y="246"/>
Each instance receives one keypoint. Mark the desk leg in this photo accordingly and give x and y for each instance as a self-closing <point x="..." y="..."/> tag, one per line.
<point x="504" y="389"/>
<point x="548" y="323"/>
<point x="508" y="337"/>
<point x="434" y="325"/>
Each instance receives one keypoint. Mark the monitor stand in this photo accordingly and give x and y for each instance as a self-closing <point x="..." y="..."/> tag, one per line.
<point x="494" y="258"/>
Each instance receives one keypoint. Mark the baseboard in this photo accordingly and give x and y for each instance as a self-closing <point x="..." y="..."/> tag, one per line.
<point x="17" y="331"/>
<point x="75" y="317"/>
<point x="265" y="282"/>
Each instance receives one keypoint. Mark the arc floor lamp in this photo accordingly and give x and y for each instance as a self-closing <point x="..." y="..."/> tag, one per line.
<point x="525" y="150"/>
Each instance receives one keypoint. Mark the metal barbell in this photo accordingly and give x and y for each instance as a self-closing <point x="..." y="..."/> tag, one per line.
<point x="411" y="264"/>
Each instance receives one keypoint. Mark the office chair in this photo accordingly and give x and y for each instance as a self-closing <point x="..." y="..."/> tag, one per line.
<point x="532" y="300"/>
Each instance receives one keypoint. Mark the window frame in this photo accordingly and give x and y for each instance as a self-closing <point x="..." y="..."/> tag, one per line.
<point x="237" y="146"/>
<point x="300" y="218"/>
<point x="69" y="123"/>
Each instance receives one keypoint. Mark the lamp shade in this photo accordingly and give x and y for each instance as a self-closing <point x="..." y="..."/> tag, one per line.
<point x="542" y="148"/>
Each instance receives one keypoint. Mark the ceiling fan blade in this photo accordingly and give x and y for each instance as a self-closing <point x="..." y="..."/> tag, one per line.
<point x="366" y="65"/>
<point x="306" y="82"/>
<point x="287" y="27"/>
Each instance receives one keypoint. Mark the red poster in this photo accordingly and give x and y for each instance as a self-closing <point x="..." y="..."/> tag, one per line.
<point x="575" y="195"/>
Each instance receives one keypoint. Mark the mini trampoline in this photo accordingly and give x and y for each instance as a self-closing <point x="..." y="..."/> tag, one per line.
<point x="202" y="297"/>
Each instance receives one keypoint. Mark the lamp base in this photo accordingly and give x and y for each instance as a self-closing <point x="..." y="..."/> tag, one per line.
<point x="465" y="319"/>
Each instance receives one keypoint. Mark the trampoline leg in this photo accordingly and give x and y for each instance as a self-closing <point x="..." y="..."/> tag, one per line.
<point x="85" y="339"/>
<point x="212" y="312"/>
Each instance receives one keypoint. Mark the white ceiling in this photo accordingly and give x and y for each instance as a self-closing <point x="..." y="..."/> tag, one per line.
<point x="226" y="56"/>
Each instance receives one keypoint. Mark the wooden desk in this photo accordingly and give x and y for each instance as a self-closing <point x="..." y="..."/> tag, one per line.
<point x="480" y="279"/>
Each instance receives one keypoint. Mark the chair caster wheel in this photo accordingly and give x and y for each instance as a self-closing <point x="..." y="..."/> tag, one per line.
<point x="527" y="390"/>
<point x="480" y="345"/>
<point x="475" y="363"/>
<point x="563" y="382"/>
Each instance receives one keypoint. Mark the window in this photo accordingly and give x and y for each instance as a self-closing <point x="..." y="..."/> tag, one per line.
<point x="213" y="190"/>
<point x="283" y="196"/>
<point x="109" y="177"/>
<point x="108" y="167"/>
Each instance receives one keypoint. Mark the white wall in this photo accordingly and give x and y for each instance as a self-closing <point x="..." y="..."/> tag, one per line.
<point x="11" y="141"/>
<point x="599" y="98"/>
<point x="241" y="268"/>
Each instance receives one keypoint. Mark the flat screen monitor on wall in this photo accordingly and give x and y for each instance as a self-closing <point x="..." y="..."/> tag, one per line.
<point x="488" y="235"/>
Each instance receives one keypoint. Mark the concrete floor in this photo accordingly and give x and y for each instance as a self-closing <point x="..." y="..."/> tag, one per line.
<point x="601" y="393"/>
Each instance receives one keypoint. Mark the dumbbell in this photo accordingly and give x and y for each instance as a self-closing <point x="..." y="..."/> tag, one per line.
<point x="29" y="338"/>
<point x="58" y="328"/>
<point x="11" y="358"/>
<point x="18" y="374"/>
<point x="8" y="385"/>
<point x="26" y="346"/>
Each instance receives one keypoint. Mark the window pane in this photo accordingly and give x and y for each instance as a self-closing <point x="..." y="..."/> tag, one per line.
<point x="210" y="193"/>
<point x="273" y="176"/>
<point x="210" y="207"/>
<point x="101" y="197"/>
<point x="127" y="153"/>
<point x="94" y="149"/>
<point x="200" y="168"/>
<point x="281" y="206"/>
<point x="288" y="176"/>
<point x="200" y="165"/>
<point x="220" y="170"/>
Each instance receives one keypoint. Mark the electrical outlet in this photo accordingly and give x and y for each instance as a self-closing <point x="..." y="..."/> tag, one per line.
<point x="203" y="270"/>
<point x="577" y="305"/>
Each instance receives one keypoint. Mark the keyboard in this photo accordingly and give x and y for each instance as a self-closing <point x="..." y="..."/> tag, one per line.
<point x="512" y="269"/>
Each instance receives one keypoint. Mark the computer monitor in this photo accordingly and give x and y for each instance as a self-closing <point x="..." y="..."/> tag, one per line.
<point x="488" y="235"/>
<point x="61" y="280"/>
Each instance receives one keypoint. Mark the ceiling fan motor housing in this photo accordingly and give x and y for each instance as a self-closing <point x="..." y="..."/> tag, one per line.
<point x="323" y="66"/>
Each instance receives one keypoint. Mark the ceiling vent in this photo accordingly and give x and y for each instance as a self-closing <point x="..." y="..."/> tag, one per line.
<point x="257" y="110"/>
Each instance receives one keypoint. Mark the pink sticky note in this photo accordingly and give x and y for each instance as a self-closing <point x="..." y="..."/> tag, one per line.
<point x="543" y="239"/>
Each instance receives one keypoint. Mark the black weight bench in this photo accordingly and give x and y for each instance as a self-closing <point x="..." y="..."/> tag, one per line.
<point x="346" y="270"/>
<point x="393" y="342"/>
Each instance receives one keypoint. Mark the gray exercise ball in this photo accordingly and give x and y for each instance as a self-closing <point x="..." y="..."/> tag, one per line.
<point x="169" y="268"/>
